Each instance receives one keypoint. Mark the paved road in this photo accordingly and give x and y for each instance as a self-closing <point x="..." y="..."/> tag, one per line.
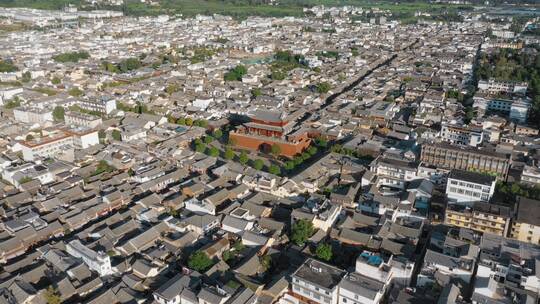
<point x="351" y="85"/>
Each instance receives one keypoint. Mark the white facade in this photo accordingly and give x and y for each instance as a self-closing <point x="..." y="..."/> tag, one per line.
<point x="531" y="175"/>
<point x="467" y="192"/>
<point x="8" y="93"/>
<point x="393" y="173"/>
<point x="80" y="119"/>
<point x="97" y="261"/>
<point x="47" y="148"/>
<point x="58" y="143"/>
<point x="519" y="110"/>
<point x="461" y="135"/>
<point x="85" y="140"/>
<point x="105" y="106"/>
<point x="33" y="115"/>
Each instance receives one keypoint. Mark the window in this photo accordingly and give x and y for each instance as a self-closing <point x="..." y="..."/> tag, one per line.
<point x="344" y="300"/>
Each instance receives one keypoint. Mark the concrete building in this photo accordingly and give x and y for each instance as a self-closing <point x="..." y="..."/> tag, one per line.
<point x="33" y="115"/>
<point x="494" y="87"/>
<point x="531" y="175"/>
<point x="447" y="156"/>
<point x="482" y="217"/>
<point x="97" y="261"/>
<point x="393" y="172"/>
<point x="526" y="223"/>
<point x="78" y="119"/>
<point x="102" y="105"/>
<point x="317" y="282"/>
<point x="462" y="135"/>
<point x="466" y="188"/>
<point x="58" y="142"/>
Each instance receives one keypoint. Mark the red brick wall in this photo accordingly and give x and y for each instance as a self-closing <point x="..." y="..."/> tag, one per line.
<point x="253" y="143"/>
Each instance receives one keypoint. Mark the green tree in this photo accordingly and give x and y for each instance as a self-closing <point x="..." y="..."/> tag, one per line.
<point x="25" y="180"/>
<point x="200" y="148"/>
<point x="227" y="255"/>
<point x="181" y="121"/>
<point x="58" y="113"/>
<point x="243" y="159"/>
<point x="274" y="169"/>
<point x="324" y="251"/>
<point x="235" y="74"/>
<point x="52" y="296"/>
<point x="171" y="88"/>
<point x="256" y="92"/>
<point x="312" y="151"/>
<point x="26" y="76"/>
<point x="189" y="121"/>
<point x="321" y="142"/>
<point x="56" y="80"/>
<point x="201" y="123"/>
<point x="102" y="134"/>
<point x="289" y="165"/>
<point x="266" y="262"/>
<point x="116" y="135"/>
<point x="218" y="133"/>
<point x="213" y="151"/>
<point x="275" y="149"/>
<point x="323" y="87"/>
<point x="229" y="153"/>
<point x="199" y="261"/>
<point x="75" y="92"/>
<point x="7" y="66"/>
<point x="258" y="164"/>
<point x="298" y="160"/>
<point x="29" y="137"/>
<point x="208" y="139"/>
<point x="302" y="230"/>
<point x="277" y="75"/>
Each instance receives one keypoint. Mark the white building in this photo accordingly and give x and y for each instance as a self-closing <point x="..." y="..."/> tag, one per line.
<point x="103" y="105"/>
<point x="33" y="115"/>
<point x="356" y="288"/>
<point x="8" y="93"/>
<point x="97" y="261"/>
<point x="461" y="135"/>
<point x="58" y="142"/>
<point x="393" y="172"/>
<point x="465" y="187"/>
<point x="72" y="118"/>
<point x="317" y="281"/>
<point x="493" y="87"/>
<point x="519" y="110"/>
<point x="531" y="175"/>
<point x="84" y="138"/>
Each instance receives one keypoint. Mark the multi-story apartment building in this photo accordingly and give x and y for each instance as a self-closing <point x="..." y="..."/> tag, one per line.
<point x="482" y="217"/>
<point x="531" y="175"/>
<point x="102" y="105"/>
<point x="494" y="87"/>
<point x="447" y="156"/>
<point x="58" y="142"/>
<point x="462" y="135"/>
<point x="393" y="172"/>
<point x="97" y="261"/>
<point x="517" y="109"/>
<point x="317" y="282"/>
<point x="526" y="223"/>
<point x="78" y="119"/>
<point x="466" y="188"/>
<point x="33" y="115"/>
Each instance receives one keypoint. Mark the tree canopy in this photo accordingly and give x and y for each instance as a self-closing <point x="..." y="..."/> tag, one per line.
<point x="199" y="261"/>
<point x="302" y="230"/>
